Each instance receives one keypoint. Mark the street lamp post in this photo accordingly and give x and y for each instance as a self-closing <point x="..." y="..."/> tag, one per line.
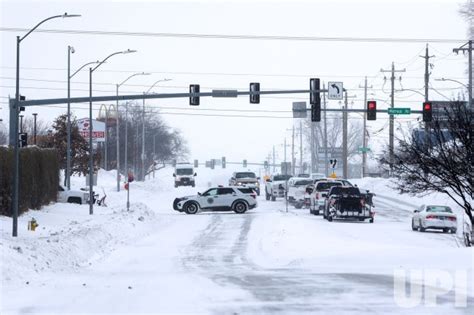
<point x="143" y="125"/>
<point x="14" y="112"/>
<point x="34" y="128"/>
<point x="118" y="129"/>
<point x="71" y="50"/>
<point x="91" y="158"/>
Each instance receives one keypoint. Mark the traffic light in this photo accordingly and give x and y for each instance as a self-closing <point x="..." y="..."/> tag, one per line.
<point x="196" y="163"/>
<point x="213" y="164"/>
<point x="245" y="163"/>
<point x="265" y="164"/>
<point x="427" y="112"/>
<point x="194" y="100"/>
<point x="315" y="99"/>
<point x="23" y="140"/>
<point x="371" y="110"/>
<point x="223" y="162"/>
<point x="254" y="98"/>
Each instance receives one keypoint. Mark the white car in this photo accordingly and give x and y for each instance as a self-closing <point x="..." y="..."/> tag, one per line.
<point x="434" y="217"/>
<point x="72" y="196"/>
<point x="319" y="194"/>
<point x="275" y="186"/>
<point x="296" y="188"/>
<point x="235" y="199"/>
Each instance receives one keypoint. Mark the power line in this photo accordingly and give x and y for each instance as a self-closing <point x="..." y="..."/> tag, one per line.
<point x="240" y="36"/>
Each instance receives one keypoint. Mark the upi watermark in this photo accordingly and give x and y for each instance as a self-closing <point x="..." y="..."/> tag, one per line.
<point x="427" y="287"/>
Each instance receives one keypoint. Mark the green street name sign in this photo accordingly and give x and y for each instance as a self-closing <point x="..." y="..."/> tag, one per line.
<point x="364" y="149"/>
<point x="399" y="111"/>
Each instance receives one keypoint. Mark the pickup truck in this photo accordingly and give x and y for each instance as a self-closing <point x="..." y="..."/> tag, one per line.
<point x="275" y="186"/>
<point x="72" y="196"/>
<point x="296" y="189"/>
<point x="245" y="179"/>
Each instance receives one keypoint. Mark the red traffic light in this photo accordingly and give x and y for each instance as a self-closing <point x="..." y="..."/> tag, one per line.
<point x="372" y="104"/>
<point x="427" y="106"/>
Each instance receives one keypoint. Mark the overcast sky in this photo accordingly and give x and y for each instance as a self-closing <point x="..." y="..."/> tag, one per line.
<point x="234" y="63"/>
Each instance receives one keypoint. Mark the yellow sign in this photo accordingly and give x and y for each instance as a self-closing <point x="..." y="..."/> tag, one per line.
<point x="333" y="175"/>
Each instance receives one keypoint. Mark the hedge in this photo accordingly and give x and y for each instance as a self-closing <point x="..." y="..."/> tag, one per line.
<point x="39" y="178"/>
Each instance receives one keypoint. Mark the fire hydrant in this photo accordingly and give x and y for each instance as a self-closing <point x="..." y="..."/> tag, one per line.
<point x="32" y="224"/>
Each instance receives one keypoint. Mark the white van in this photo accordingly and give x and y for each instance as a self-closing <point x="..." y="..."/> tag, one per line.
<point x="184" y="175"/>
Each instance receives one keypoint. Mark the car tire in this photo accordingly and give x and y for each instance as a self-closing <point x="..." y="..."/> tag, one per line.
<point x="329" y="218"/>
<point x="175" y="185"/>
<point x="258" y="192"/>
<point x="298" y="205"/>
<point x="76" y="200"/>
<point x="240" y="207"/>
<point x="273" y="198"/>
<point x="193" y="184"/>
<point x="191" y="207"/>
<point x="453" y="231"/>
<point x="422" y="229"/>
<point x="446" y="230"/>
<point x="316" y="212"/>
<point x="413" y="227"/>
<point x="371" y="220"/>
<point x="267" y="196"/>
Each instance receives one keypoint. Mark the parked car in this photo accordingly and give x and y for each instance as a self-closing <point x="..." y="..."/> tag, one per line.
<point x="216" y="199"/>
<point x="275" y="186"/>
<point x="434" y="217"/>
<point x="247" y="179"/>
<point x="317" y="198"/>
<point x="296" y="189"/>
<point x="72" y="196"/>
<point x="345" y="202"/>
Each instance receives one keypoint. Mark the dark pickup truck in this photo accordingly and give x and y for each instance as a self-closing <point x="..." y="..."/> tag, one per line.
<point x="345" y="202"/>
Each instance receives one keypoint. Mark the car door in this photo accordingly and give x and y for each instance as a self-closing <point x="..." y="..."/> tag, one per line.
<point x="225" y="197"/>
<point x="208" y="199"/>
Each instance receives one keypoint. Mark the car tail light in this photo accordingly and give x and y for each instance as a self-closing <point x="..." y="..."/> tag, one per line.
<point x="362" y="202"/>
<point x="431" y="216"/>
<point x="452" y="218"/>
<point x="317" y="196"/>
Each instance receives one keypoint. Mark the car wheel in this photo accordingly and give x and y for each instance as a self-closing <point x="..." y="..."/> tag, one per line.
<point x="371" y="220"/>
<point x="329" y="218"/>
<point x="453" y="231"/>
<point x="413" y="227"/>
<point x="267" y="196"/>
<point x="240" y="207"/>
<point x="175" y="185"/>
<point x="193" y="185"/>
<point x="316" y="212"/>
<point x="273" y="198"/>
<point x="446" y="230"/>
<point x="191" y="208"/>
<point x="298" y="205"/>
<point x="422" y="229"/>
<point x="258" y="192"/>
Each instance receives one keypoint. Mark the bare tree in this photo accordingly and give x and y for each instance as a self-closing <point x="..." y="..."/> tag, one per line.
<point x="3" y="135"/>
<point x="446" y="165"/>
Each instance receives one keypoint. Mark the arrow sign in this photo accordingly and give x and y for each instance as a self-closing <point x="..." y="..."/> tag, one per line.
<point x="335" y="90"/>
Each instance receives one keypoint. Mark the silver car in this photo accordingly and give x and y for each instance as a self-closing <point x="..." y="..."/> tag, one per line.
<point x="434" y="217"/>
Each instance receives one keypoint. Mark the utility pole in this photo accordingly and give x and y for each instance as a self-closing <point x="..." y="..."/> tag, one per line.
<point x="301" y="147"/>
<point x="427" y="81"/>
<point x="344" y="138"/>
<point x="326" y="160"/>
<point x="143" y="142"/>
<point x="313" y="149"/>
<point x="293" y="151"/>
<point x="463" y="48"/>
<point x="273" y="158"/>
<point x="391" y="121"/>
<point x="284" y="150"/>
<point x="364" y="131"/>
<point x="34" y="128"/>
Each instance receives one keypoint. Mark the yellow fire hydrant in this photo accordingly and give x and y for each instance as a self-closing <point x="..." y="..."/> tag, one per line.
<point x="32" y="224"/>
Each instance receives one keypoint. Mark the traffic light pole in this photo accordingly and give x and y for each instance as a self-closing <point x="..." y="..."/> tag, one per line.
<point x="469" y="51"/>
<point x="364" y="131"/>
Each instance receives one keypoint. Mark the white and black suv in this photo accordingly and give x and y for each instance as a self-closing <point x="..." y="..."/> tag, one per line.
<point x="217" y="199"/>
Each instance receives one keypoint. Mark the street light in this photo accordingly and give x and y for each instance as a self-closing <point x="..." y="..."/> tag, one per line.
<point x="459" y="82"/>
<point x="70" y="50"/>
<point x="14" y="111"/>
<point x="143" y="125"/>
<point x="91" y="160"/>
<point x="126" y="130"/>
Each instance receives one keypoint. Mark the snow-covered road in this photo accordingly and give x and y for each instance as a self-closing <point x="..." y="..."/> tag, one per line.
<point x="265" y="261"/>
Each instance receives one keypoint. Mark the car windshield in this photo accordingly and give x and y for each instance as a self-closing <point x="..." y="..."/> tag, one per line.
<point x="303" y="182"/>
<point x="245" y="175"/>
<point x="184" y="171"/>
<point x="327" y="185"/>
<point x="438" y="209"/>
<point x="281" y="177"/>
<point x="246" y="190"/>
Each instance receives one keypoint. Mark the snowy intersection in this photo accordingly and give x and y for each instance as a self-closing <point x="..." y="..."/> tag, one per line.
<point x="156" y="260"/>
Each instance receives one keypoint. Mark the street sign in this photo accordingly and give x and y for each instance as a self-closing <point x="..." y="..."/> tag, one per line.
<point x="364" y="149"/>
<point x="224" y="93"/>
<point x="98" y="129"/>
<point x="335" y="90"/>
<point x="399" y="111"/>
<point x="299" y="109"/>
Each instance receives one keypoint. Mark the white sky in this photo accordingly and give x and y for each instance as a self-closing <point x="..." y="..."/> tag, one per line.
<point x="224" y="63"/>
